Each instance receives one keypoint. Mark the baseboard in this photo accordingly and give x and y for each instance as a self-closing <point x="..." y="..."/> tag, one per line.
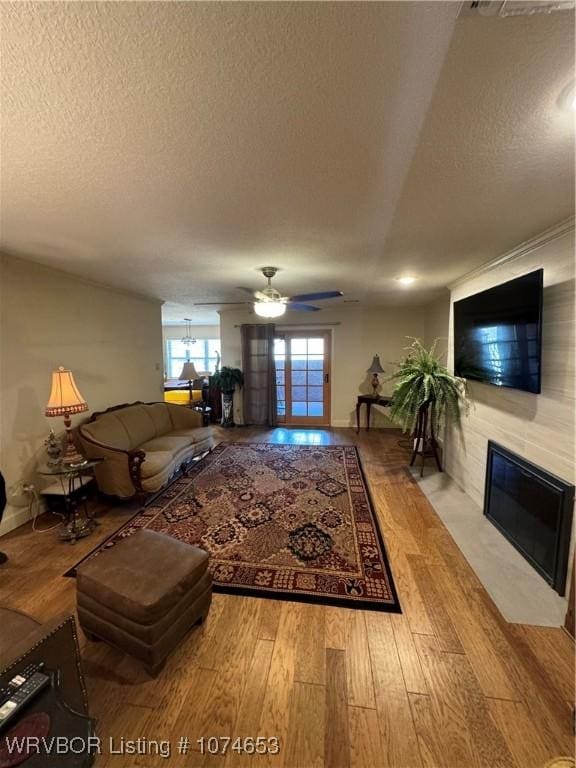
<point x="352" y="424"/>
<point x="13" y="518"/>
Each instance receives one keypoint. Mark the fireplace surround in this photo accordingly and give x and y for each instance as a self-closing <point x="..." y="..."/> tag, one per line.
<point x="533" y="509"/>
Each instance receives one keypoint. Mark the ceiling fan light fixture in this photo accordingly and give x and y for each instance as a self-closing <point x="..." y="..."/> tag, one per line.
<point x="269" y="308"/>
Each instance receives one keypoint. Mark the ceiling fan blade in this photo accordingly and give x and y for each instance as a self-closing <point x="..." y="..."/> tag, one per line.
<point x="217" y="303"/>
<point x="302" y="307"/>
<point x="243" y="288"/>
<point x="316" y="296"/>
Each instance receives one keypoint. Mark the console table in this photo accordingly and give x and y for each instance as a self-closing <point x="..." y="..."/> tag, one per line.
<point x="369" y="401"/>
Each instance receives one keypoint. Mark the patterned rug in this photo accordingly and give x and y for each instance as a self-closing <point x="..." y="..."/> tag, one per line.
<point x="279" y="521"/>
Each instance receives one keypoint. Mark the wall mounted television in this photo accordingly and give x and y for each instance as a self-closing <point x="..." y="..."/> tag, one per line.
<point x="498" y="334"/>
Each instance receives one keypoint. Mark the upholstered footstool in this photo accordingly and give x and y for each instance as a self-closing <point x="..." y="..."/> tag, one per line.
<point x="143" y="595"/>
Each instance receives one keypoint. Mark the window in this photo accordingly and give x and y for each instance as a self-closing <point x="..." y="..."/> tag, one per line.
<point x="203" y="353"/>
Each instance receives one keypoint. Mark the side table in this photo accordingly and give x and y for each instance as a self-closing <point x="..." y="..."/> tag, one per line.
<point x="369" y="401"/>
<point x="73" y="481"/>
<point x="206" y="412"/>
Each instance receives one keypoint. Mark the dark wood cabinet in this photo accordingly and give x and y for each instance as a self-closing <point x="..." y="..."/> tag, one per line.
<point x="215" y="402"/>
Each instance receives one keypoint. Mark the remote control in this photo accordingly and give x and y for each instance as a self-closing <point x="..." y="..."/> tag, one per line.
<point x="18" y="680"/>
<point x="21" y="695"/>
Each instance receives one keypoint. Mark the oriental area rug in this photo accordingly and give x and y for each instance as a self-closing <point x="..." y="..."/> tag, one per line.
<point x="279" y="521"/>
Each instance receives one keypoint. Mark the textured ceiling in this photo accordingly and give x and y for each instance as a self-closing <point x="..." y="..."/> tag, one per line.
<point x="174" y="148"/>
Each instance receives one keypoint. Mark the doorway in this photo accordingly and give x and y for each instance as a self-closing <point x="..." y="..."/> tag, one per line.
<point x="302" y="361"/>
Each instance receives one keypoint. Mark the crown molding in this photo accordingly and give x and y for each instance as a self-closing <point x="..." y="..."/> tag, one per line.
<point x="80" y="278"/>
<point x="548" y="236"/>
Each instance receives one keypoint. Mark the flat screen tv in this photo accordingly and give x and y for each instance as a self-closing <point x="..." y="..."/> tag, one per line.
<point x="498" y="333"/>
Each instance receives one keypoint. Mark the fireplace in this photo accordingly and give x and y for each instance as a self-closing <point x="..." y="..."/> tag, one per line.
<point x="532" y="509"/>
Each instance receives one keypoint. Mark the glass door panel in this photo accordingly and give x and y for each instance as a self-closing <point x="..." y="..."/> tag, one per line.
<point x="280" y="363"/>
<point x="303" y="378"/>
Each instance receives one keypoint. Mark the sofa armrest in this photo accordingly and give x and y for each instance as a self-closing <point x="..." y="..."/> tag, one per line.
<point x="135" y="460"/>
<point x="119" y="473"/>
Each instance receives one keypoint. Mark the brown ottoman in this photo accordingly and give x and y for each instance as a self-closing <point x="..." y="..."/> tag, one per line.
<point x="143" y="595"/>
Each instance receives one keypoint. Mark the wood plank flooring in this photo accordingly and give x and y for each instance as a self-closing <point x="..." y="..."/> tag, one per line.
<point x="447" y="684"/>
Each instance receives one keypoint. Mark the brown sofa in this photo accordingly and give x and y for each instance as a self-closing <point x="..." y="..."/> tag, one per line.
<point x="143" y="444"/>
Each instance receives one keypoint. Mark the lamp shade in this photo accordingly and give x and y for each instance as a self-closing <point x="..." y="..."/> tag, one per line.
<point x="376" y="367"/>
<point x="64" y="396"/>
<point x="189" y="372"/>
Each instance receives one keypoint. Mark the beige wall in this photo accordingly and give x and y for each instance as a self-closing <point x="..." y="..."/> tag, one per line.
<point x="538" y="427"/>
<point x="112" y="341"/>
<point x="437" y="315"/>
<point x="360" y="334"/>
<point x="198" y="331"/>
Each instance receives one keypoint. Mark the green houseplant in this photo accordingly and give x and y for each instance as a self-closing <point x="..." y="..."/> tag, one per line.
<point x="425" y="395"/>
<point x="227" y="379"/>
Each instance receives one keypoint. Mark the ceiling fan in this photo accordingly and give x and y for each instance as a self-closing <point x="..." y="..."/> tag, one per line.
<point x="270" y="303"/>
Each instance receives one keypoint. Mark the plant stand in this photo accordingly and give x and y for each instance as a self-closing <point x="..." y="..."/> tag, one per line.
<point x="227" y="409"/>
<point x="424" y="445"/>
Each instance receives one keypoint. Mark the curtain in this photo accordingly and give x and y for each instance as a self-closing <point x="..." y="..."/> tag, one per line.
<point x="259" y="390"/>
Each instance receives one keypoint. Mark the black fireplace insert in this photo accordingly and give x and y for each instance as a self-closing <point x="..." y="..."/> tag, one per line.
<point x="532" y="509"/>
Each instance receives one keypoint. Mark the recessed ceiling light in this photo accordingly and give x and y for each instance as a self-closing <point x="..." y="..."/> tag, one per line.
<point x="567" y="99"/>
<point x="406" y="279"/>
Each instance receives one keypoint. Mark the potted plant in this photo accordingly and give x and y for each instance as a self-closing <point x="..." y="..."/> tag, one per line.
<point x="424" y="396"/>
<point x="227" y="379"/>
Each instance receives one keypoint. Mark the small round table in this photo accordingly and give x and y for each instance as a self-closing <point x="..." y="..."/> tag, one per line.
<point x="205" y="410"/>
<point x="70" y="476"/>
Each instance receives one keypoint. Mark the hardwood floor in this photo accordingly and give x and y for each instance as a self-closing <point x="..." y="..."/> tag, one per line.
<point x="447" y="683"/>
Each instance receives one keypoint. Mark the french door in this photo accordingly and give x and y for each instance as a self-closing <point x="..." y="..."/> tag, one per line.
<point x="303" y="377"/>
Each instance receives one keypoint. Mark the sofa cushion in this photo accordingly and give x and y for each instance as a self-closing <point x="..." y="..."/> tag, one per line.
<point x="107" y="430"/>
<point x="157" y="462"/>
<point x="184" y="418"/>
<point x="170" y="442"/>
<point x="160" y="416"/>
<point x="132" y="578"/>
<point x="138" y="423"/>
<point x="196" y="435"/>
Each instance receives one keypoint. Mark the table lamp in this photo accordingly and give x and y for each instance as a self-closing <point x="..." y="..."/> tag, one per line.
<point x="65" y="399"/>
<point x="189" y="373"/>
<point x="375" y="369"/>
